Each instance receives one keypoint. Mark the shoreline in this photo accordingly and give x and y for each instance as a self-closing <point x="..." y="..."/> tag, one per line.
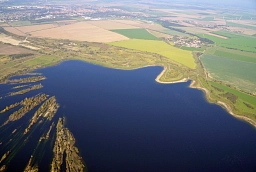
<point x="158" y="76"/>
<point x="243" y="118"/>
<point x="157" y="79"/>
<point x="224" y="105"/>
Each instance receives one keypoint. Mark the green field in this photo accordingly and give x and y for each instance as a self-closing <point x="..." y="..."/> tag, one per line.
<point x="235" y="56"/>
<point x="241" y="103"/>
<point x="234" y="72"/>
<point x="241" y="53"/>
<point x="236" y="42"/>
<point x="181" y="56"/>
<point x="136" y="34"/>
<point x="245" y="97"/>
<point x="232" y="34"/>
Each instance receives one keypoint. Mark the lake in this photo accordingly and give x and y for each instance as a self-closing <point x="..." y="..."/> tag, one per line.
<point x="126" y="121"/>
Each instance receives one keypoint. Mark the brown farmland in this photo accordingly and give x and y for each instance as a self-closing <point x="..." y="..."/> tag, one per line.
<point x="80" y="31"/>
<point x="9" y="49"/>
<point x="111" y="25"/>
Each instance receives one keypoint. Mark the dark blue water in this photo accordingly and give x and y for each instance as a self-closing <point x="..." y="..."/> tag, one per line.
<point x="125" y="121"/>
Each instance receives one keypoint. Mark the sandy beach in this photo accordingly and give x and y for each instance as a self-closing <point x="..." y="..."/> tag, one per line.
<point x="171" y="82"/>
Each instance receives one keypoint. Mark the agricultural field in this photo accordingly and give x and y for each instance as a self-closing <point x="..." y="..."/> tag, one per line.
<point x="152" y="27"/>
<point x="206" y="19"/>
<point x="158" y="34"/>
<point x="32" y="28"/>
<point x="129" y="22"/>
<point x="111" y="24"/>
<point x="217" y="35"/>
<point x="234" y="72"/>
<point x="236" y="42"/>
<point x="14" y="30"/>
<point x="235" y="56"/>
<point x="232" y="54"/>
<point x="6" y="49"/>
<point x="230" y="34"/>
<point x="181" y="56"/>
<point x="136" y="34"/>
<point x="241" y="25"/>
<point x="87" y="32"/>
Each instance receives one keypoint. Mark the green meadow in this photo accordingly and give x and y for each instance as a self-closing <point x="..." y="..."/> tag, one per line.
<point x="42" y="60"/>
<point x="245" y="97"/>
<point x="235" y="56"/>
<point x="239" y="73"/>
<point x="242" y="103"/>
<point x="136" y="34"/>
<point x="237" y="42"/>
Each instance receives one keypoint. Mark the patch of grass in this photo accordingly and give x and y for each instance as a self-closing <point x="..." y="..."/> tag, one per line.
<point x="136" y="34"/>
<point x="235" y="56"/>
<point x="233" y="72"/>
<point x="181" y="56"/>
<point x="42" y="60"/>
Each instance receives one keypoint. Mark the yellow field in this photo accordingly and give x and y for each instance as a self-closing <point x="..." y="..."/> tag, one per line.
<point x="181" y="56"/>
